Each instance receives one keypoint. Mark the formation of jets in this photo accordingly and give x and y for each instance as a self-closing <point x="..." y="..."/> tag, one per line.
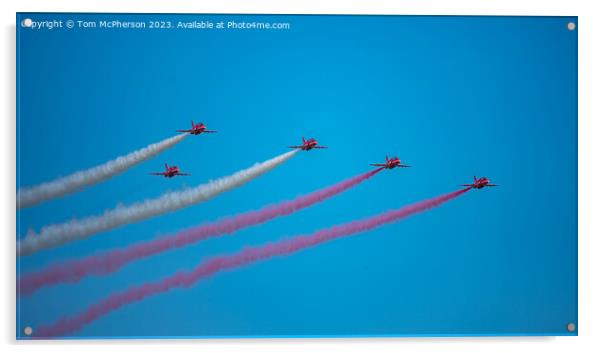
<point x="307" y="145"/>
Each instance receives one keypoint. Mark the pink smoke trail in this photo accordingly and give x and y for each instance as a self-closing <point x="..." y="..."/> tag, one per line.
<point x="244" y="257"/>
<point x="105" y="263"/>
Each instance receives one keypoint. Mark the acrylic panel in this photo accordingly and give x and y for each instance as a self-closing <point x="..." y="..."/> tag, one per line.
<point x="197" y="176"/>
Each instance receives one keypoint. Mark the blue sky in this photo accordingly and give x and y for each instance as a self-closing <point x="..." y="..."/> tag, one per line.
<point x="452" y="96"/>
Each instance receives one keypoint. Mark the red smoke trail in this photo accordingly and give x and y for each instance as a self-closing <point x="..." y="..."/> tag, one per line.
<point x="241" y="258"/>
<point x="105" y="263"/>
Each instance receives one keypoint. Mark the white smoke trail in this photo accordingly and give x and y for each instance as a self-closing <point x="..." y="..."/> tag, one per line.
<point x="57" y="234"/>
<point x="29" y="196"/>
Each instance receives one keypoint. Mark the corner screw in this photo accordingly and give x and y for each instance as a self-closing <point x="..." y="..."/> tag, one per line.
<point x="28" y="330"/>
<point x="571" y="26"/>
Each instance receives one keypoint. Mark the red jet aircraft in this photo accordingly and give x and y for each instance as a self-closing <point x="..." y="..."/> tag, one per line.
<point x="170" y="172"/>
<point x="391" y="163"/>
<point x="308" y="144"/>
<point x="197" y="129"/>
<point x="479" y="183"/>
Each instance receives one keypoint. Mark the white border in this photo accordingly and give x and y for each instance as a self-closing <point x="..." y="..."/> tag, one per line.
<point x="590" y="178"/>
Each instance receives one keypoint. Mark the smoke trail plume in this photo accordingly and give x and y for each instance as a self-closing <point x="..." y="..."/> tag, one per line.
<point x="110" y="261"/>
<point x="244" y="257"/>
<point x="57" y="234"/>
<point x="29" y="196"/>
